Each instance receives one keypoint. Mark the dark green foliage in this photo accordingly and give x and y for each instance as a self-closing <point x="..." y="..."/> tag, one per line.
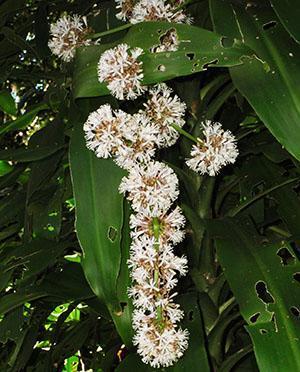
<point x="63" y="275"/>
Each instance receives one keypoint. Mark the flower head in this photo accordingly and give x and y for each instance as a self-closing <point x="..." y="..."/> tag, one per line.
<point x="125" y="7"/>
<point x="121" y="70"/>
<point x="160" y="348"/>
<point x="138" y="145"/>
<point x="157" y="10"/>
<point x="165" y="109"/>
<point x="170" y="225"/>
<point x="68" y="33"/>
<point x="103" y="131"/>
<point x="153" y="186"/>
<point x="217" y="149"/>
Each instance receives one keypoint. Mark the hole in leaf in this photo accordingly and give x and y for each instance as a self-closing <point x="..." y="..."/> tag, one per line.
<point x="263" y="293"/>
<point x="296" y="249"/>
<point x="208" y="64"/>
<point x="123" y="305"/>
<point x="295" y="311"/>
<point x="168" y="42"/>
<point x="161" y="68"/>
<point x="273" y="320"/>
<point x="159" y="31"/>
<point x="112" y="233"/>
<point x="269" y="25"/>
<point x="191" y="316"/>
<point x="190" y="56"/>
<point x="254" y="317"/>
<point x="286" y="257"/>
<point x="226" y="42"/>
<point x="263" y="331"/>
<point x="296" y="276"/>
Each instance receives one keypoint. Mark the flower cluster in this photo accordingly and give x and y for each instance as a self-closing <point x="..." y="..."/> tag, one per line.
<point x="121" y="70"/>
<point x="150" y="10"/>
<point x="67" y="34"/>
<point x="165" y="109"/>
<point x="132" y="139"/>
<point x="217" y="149"/>
<point x="156" y="226"/>
<point x="129" y="139"/>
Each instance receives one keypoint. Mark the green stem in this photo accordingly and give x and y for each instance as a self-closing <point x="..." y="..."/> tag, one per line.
<point x="108" y="32"/>
<point x="156" y="233"/>
<point x="184" y="133"/>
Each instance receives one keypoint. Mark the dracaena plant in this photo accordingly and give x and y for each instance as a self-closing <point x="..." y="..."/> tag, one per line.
<point x="149" y="186"/>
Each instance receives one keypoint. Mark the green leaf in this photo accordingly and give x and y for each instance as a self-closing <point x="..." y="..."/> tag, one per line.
<point x="271" y="88"/>
<point x="65" y="283"/>
<point x="198" y="49"/>
<point x="5" y="168"/>
<point x="12" y="37"/>
<point x="24" y="120"/>
<point x="289" y="13"/>
<point x="7" y="103"/>
<point x="265" y="303"/>
<point x="27" y="154"/>
<point x="99" y="221"/>
<point x="72" y="341"/>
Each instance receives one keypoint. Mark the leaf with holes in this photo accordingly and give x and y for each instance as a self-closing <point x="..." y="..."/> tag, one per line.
<point x="198" y="49"/>
<point x="99" y="221"/>
<point x="289" y="13"/>
<point x="271" y="88"/>
<point x="269" y="298"/>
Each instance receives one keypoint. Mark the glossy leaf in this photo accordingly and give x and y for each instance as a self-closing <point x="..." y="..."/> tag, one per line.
<point x="271" y="88"/>
<point x="264" y="302"/>
<point x="24" y="120"/>
<point x="289" y="13"/>
<point x="198" y="49"/>
<point x="7" y="103"/>
<point x="99" y="221"/>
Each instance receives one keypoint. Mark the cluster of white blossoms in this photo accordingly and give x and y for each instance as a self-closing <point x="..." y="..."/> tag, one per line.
<point x="128" y="139"/>
<point x="217" y="149"/>
<point x="132" y="139"/>
<point x="156" y="226"/>
<point x="165" y="109"/>
<point x="150" y="10"/>
<point x="121" y="70"/>
<point x="67" y="34"/>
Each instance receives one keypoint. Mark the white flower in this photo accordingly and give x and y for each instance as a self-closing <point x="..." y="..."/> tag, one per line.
<point x="139" y="139"/>
<point x="170" y="225"/>
<point x="103" y="131"/>
<point x="126" y="7"/>
<point x="171" y="262"/>
<point x="160" y="349"/>
<point x="120" y="69"/>
<point x="157" y="10"/>
<point x="217" y="149"/>
<point x="154" y="186"/>
<point x="67" y="34"/>
<point x="165" y="109"/>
